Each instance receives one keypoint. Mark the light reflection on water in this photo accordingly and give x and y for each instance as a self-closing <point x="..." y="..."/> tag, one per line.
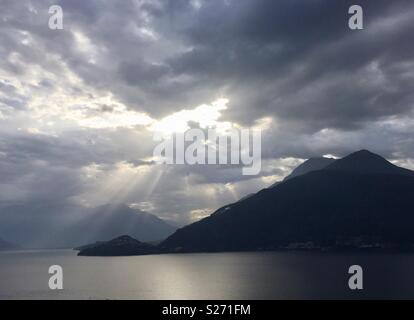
<point x="269" y="275"/>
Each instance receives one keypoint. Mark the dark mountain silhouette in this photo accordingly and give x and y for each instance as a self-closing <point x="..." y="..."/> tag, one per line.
<point x="4" y="245"/>
<point x="57" y="225"/>
<point x="366" y="162"/>
<point x="120" y="246"/>
<point x="109" y="221"/>
<point x="312" y="164"/>
<point x="246" y="196"/>
<point x="89" y="246"/>
<point x="360" y="200"/>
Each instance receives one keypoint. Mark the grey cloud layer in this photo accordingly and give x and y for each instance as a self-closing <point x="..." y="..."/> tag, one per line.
<point x="296" y="60"/>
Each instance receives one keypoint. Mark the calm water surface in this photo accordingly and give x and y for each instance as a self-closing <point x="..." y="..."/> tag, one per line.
<point x="276" y="275"/>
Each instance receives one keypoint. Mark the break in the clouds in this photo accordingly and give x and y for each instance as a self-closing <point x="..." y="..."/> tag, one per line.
<point x="78" y="106"/>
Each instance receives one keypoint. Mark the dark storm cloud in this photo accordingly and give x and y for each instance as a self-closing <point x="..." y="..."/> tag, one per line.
<point x="142" y="74"/>
<point x="296" y="60"/>
<point x="299" y="61"/>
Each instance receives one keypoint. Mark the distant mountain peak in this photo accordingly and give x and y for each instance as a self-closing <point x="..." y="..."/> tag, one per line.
<point x="367" y="199"/>
<point x="120" y="246"/>
<point x="364" y="151"/>
<point x="124" y="239"/>
<point x="74" y="225"/>
<point x="5" y="245"/>
<point x="365" y="161"/>
<point x="312" y="164"/>
<point x="365" y="154"/>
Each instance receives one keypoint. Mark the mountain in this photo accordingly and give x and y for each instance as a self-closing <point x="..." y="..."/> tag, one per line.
<point x="4" y="245"/>
<point x="89" y="246"/>
<point x="312" y="164"/>
<point x="361" y="200"/>
<point x="120" y="246"/>
<point x="246" y="196"/>
<point x="63" y="225"/>
<point x="109" y="221"/>
<point x="366" y="162"/>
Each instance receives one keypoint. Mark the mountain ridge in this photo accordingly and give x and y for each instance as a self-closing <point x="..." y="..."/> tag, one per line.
<point x="336" y="207"/>
<point x="120" y="246"/>
<point x="68" y="225"/>
<point x="5" y="245"/>
<point x="318" y="206"/>
<point x="364" y="161"/>
<point x="312" y="164"/>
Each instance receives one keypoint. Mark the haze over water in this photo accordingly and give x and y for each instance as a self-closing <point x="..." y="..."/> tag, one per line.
<point x="268" y="275"/>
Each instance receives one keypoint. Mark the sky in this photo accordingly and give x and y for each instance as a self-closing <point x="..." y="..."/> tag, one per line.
<point x="79" y="106"/>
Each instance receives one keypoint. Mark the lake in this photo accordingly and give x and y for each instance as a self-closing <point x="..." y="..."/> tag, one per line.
<point x="264" y="275"/>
